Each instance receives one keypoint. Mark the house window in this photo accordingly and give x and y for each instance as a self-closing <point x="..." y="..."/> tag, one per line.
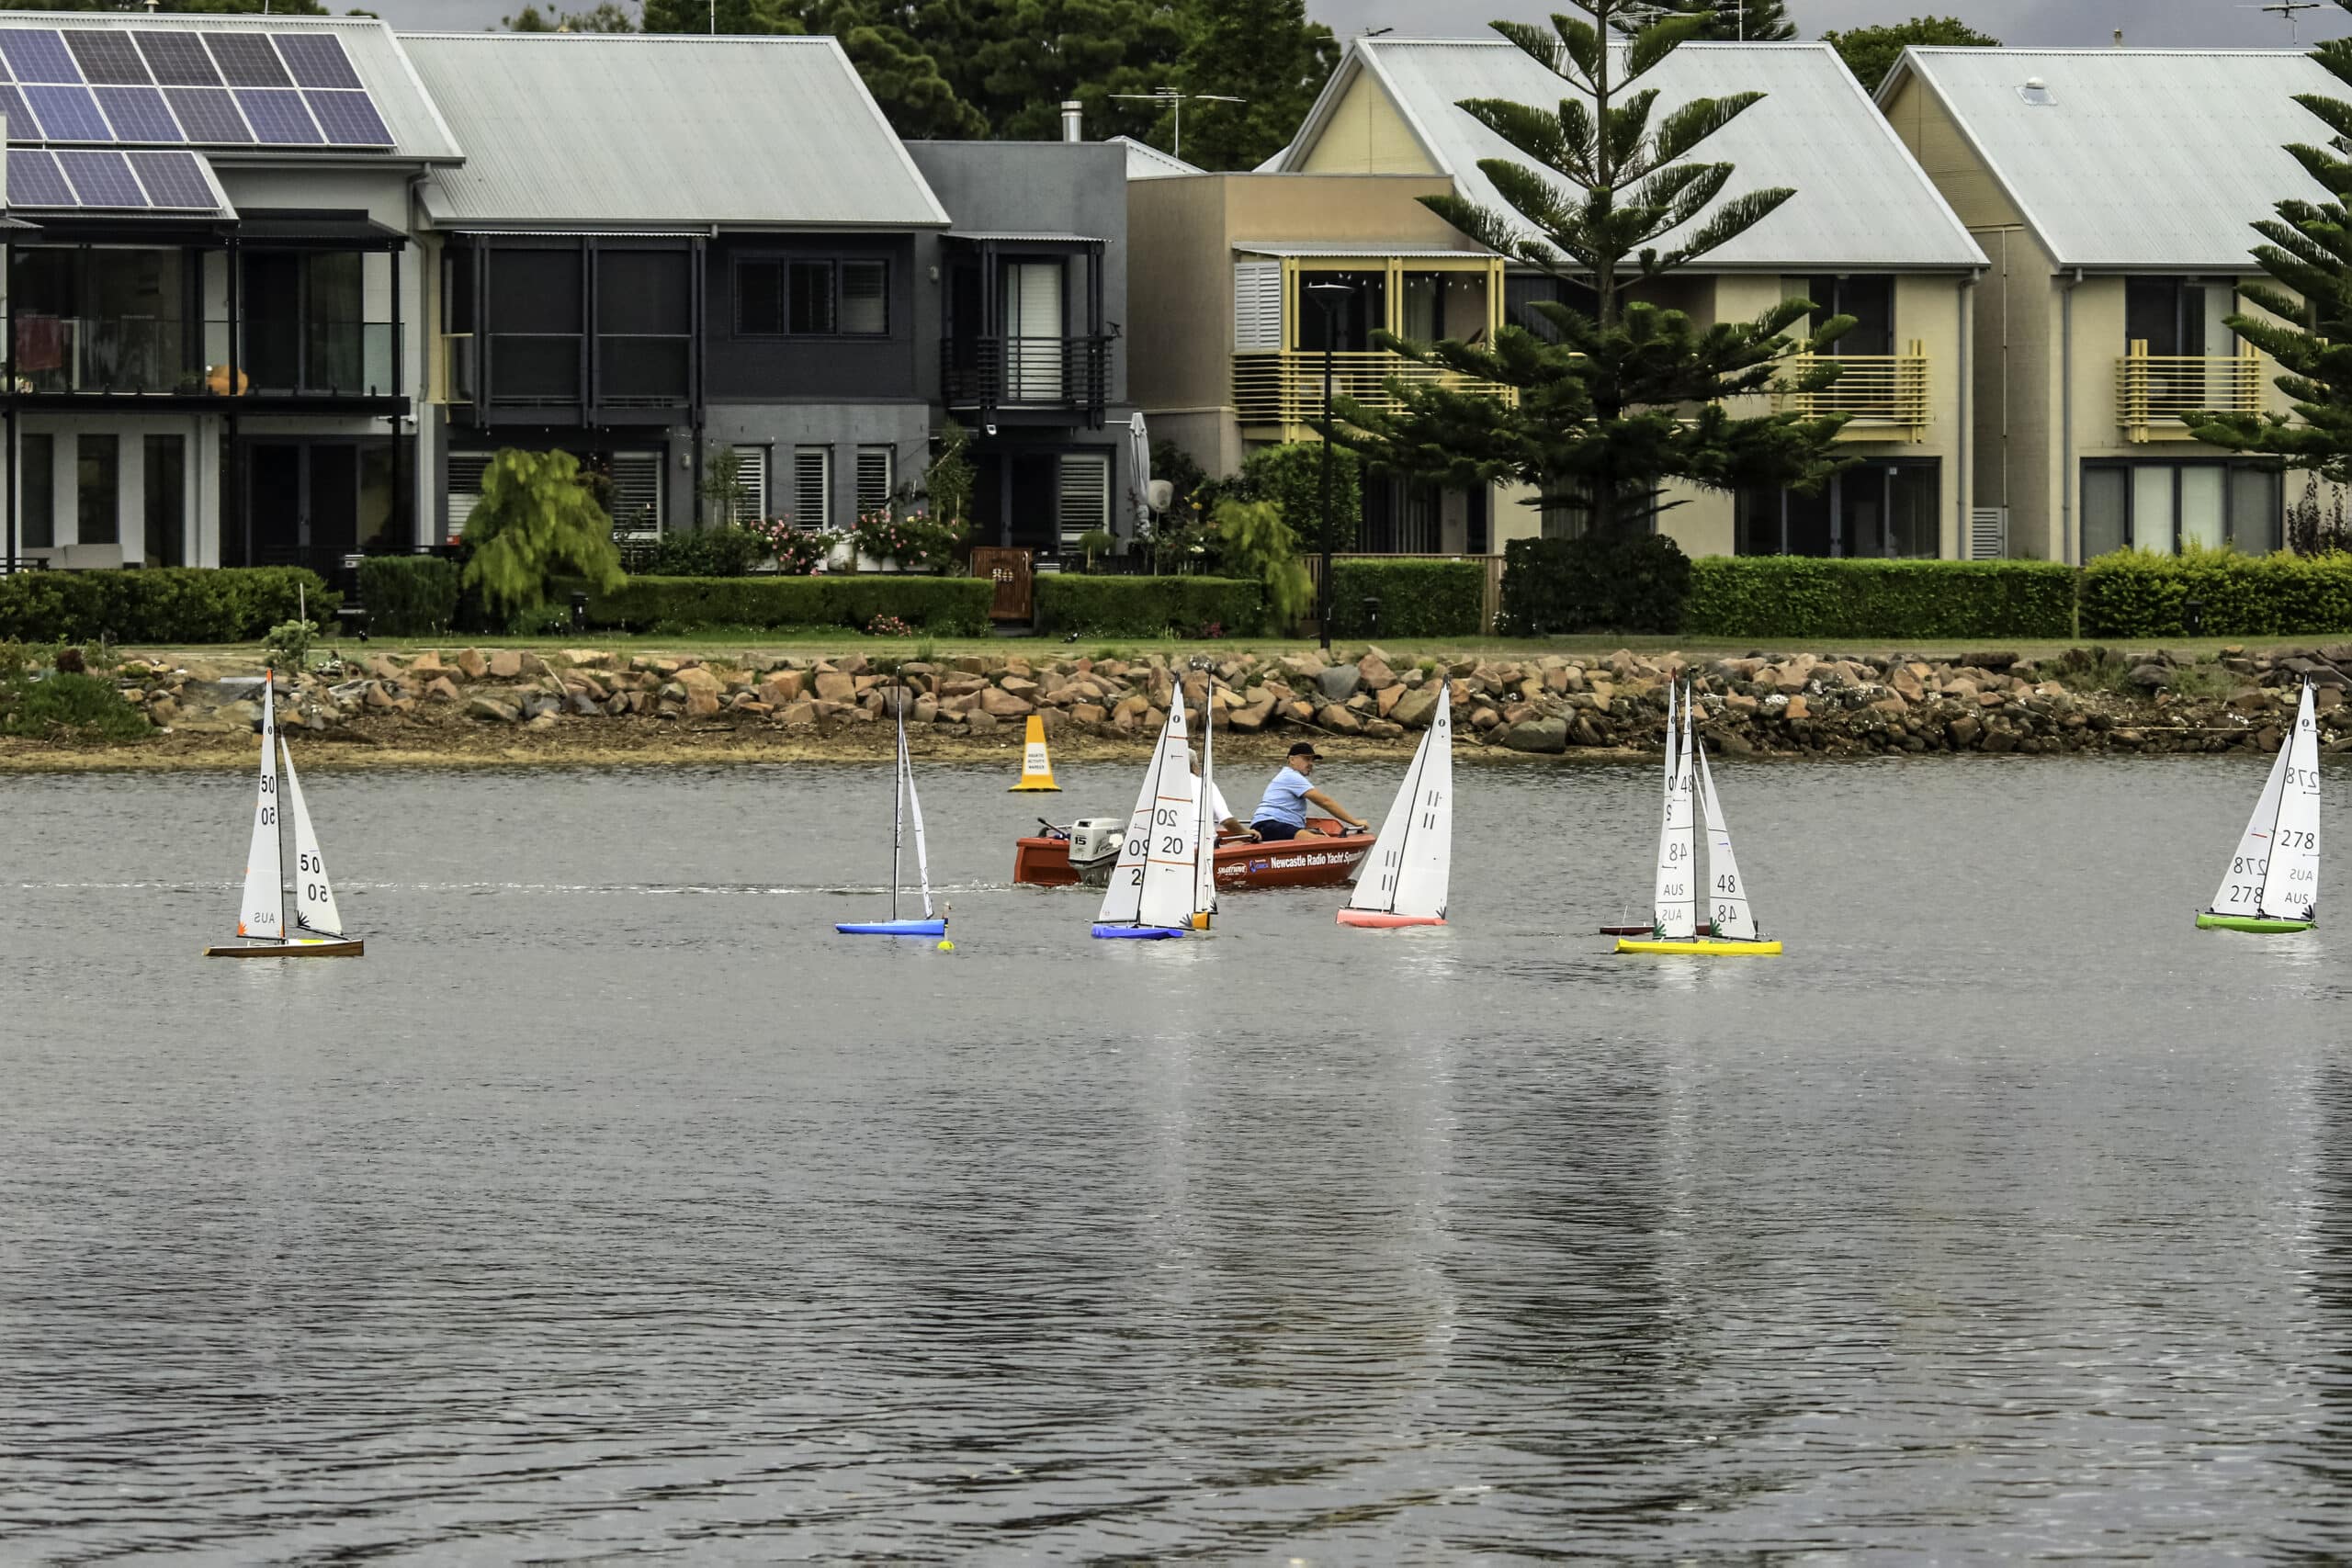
<point x="1257" y="306"/>
<point x="2182" y="316"/>
<point x="1869" y="297"/>
<point x="865" y="298"/>
<point x="1874" y="512"/>
<point x="1082" y="498"/>
<point x="1353" y="316"/>
<point x="636" y="493"/>
<point x="37" y="484"/>
<point x="97" y="489"/>
<point x="166" y="496"/>
<point x="812" y="486"/>
<point x="812" y="299"/>
<point x="874" y="478"/>
<point x="466" y="471"/>
<point x="1523" y="290"/>
<point x="750" y="500"/>
<point x="1400" y="517"/>
<point x="2169" y="506"/>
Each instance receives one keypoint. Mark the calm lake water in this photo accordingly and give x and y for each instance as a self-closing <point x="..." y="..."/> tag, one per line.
<point x="614" y="1204"/>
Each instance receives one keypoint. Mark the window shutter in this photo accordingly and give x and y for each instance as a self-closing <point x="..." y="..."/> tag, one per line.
<point x="873" y="480"/>
<point x="637" y="494"/>
<point x="1083" y="500"/>
<point x="466" y="470"/>
<point x="750" y="484"/>
<point x="1988" y="533"/>
<point x="812" y="487"/>
<point x="866" y="296"/>
<point x="1257" y="305"/>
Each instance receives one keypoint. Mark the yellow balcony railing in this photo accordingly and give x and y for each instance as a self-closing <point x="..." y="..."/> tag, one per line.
<point x="1883" y="393"/>
<point x="1274" y="387"/>
<point x="2153" y="391"/>
<point x="452" y="378"/>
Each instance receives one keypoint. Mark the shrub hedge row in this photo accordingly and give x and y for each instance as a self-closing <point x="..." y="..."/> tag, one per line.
<point x="1148" y="606"/>
<point x="1417" y="598"/>
<point x="1802" y="596"/>
<point x="2134" y="594"/>
<point x="1552" y="586"/>
<point x="409" y="595"/>
<point x="160" y="603"/>
<point x="945" y="607"/>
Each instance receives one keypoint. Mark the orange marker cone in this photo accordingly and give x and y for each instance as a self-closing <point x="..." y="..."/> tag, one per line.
<point x="1036" y="768"/>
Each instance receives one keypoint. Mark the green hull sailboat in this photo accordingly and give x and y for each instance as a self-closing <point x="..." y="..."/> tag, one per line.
<point x="2272" y="886"/>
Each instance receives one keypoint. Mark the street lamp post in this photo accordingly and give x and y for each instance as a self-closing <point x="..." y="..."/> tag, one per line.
<point x="1327" y="297"/>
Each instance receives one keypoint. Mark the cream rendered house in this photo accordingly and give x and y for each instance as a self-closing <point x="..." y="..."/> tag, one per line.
<point x="1867" y="235"/>
<point x="2112" y="191"/>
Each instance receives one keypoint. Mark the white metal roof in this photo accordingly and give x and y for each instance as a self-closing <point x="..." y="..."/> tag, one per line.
<point x="2150" y="158"/>
<point x="1861" y="200"/>
<point x="1146" y="161"/>
<point x="418" y="130"/>
<point x="588" y="129"/>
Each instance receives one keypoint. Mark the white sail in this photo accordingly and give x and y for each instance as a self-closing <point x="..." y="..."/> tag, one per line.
<point x="1726" y="893"/>
<point x="2290" y="883"/>
<point x="1169" y="868"/>
<point x="1675" y="908"/>
<point x="1122" y="901"/>
<point x="914" y="811"/>
<point x="2241" y="889"/>
<point x="262" y="913"/>
<point x="1412" y="859"/>
<point x="315" y="909"/>
<point x="1204" y="841"/>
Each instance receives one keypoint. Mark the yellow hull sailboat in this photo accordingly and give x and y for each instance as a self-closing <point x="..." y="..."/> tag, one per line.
<point x="1730" y="930"/>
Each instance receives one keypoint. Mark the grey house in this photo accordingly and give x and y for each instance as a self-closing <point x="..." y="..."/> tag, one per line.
<point x="1024" y="300"/>
<point x="664" y="246"/>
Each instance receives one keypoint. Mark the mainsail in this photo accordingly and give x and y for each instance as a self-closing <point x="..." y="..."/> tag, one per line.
<point x="2241" y="890"/>
<point x="1409" y="867"/>
<point x="2290" y="882"/>
<point x="914" y="816"/>
<point x="263" y="911"/>
<point x="1675" y="903"/>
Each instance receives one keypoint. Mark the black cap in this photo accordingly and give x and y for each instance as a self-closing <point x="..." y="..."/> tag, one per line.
<point x="1305" y="748"/>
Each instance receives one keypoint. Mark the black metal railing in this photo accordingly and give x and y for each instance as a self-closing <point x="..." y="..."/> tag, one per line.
<point x="1026" y="372"/>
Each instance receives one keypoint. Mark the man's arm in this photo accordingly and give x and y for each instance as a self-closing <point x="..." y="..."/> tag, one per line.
<point x="1333" y="807"/>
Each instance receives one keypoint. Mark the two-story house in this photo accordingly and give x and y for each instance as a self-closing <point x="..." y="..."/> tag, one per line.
<point x="1023" y="301"/>
<point x="1866" y="235"/>
<point x="2112" y="190"/>
<point x="661" y="247"/>
<point x="213" y="344"/>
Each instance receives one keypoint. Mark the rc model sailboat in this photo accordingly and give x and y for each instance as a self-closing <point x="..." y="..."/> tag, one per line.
<point x="2272" y="884"/>
<point x="261" y="919"/>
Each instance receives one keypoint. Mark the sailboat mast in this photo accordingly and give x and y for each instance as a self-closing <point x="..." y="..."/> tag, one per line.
<point x="898" y="800"/>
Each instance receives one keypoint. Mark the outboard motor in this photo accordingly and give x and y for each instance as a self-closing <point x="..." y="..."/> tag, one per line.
<point x="1094" y="846"/>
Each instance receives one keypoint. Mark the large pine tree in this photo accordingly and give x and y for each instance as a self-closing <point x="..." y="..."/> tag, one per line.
<point x="1264" y="51"/>
<point x="1630" y="395"/>
<point x="1756" y="21"/>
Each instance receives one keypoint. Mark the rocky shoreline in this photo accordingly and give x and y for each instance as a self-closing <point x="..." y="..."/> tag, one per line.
<point x="598" y="706"/>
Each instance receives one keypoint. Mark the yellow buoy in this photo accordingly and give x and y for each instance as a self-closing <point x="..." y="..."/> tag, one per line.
<point x="945" y="945"/>
<point x="1036" y="768"/>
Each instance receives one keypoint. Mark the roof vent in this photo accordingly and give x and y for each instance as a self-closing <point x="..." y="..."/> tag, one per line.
<point x="1073" y="120"/>
<point x="2036" y="92"/>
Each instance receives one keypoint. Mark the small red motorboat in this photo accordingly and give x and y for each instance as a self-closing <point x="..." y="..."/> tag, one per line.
<point x="1327" y="861"/>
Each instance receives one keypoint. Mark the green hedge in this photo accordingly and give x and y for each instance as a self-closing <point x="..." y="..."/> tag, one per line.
<point x="945" y="607"/>
<point x="160" y="603"/>
<point x="2132" y="594"/>
<point x="1417" y="598"/>
<point x="1630" y="584"/>
<point x="1148" y="607"/>
<point x="409" y="595"/>
<point x="1801" y="596"/>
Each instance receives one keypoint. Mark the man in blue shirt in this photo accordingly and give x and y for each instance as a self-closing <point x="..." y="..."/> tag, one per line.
<point x="1283" y="813"/>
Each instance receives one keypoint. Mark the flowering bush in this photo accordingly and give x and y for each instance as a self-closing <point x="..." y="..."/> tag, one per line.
<point x="799" y="552"/>
<point x="889" y="626"/>
<point x="913" y="540"/>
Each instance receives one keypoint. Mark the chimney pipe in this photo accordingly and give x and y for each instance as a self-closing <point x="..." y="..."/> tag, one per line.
<point x="2118" y="38"/>
<point x="1073" y="120"/>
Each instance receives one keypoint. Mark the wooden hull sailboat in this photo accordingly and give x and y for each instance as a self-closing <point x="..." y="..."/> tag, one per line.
<point x="261" y="921"/>
<point x="1731" y="930"/>
<point x="906" y="808"/>
<point x="2271" y="887"/>
<point x="1164" y="885"/>
<point x="1405" y="879"/>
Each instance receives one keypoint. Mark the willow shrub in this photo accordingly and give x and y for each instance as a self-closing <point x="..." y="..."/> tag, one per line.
<point x="1802" y="596"/>
<point x="2132" y="593"/>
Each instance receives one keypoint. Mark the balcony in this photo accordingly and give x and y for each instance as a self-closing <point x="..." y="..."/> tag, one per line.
<point x="1062" y="375"/>
<point x="540" y="374"/>
<point x="1275" y="393"/>
<point x="1884" y="394"/>
<point x="117" y="356"/>
<point x="2153" y="391"/>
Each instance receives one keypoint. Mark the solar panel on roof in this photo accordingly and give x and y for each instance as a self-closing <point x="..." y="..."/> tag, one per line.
<point x="22" y="126"/>
<point x="350" y="119"/>
<point x="209" y="116"/>
<point x="138" y="114"/>
<point x="179" y="59"/>
<point x="102" y="179"/>
<point x="38" y="56"/>
<point x="34" y="181"/>
<point x="317" y="59"/>
<point x="106" y="56"/>
<point x="247" y="59"/>
<point x="278" y="118"/>
<point x="68" y="114"/>
<point x="175" y="181"/>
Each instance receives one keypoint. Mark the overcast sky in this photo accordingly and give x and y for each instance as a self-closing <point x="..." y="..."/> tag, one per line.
<point x="2179" y="24"/>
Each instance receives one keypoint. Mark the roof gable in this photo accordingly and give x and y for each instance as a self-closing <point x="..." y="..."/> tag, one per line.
<point x="1860" y="201"/>
<point x="2157" y="158"/>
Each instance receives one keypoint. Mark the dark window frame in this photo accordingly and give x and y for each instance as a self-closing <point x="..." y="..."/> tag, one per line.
<point x="784" y="262"/>
<point x="2230" y="467"/>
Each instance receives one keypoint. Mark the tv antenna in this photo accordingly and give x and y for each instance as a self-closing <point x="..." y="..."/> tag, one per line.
<point x="2287" y="9"/>
<point x="1176" y="101"/>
